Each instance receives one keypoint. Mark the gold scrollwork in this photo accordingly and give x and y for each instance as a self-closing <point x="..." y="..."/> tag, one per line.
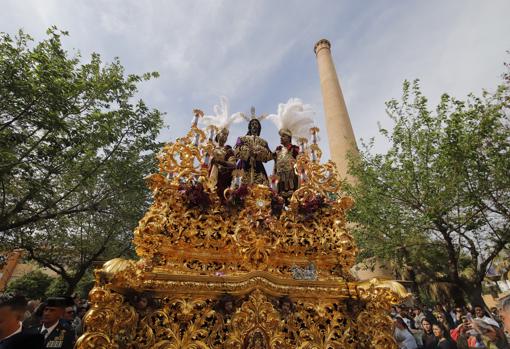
<point x="193" y="249"/>
<point x="251" y="320"/>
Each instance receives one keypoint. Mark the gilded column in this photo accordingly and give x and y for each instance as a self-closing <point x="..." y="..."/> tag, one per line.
<point x="340" y="134"/>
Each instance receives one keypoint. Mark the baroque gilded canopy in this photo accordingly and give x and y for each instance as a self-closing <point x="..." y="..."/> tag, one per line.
<point x="248" y="272"/>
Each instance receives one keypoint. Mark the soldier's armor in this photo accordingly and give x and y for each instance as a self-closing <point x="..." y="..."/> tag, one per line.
<point x="284" y="168"/>
<point x="224" y="153"/>
<point x="220" y="175"/>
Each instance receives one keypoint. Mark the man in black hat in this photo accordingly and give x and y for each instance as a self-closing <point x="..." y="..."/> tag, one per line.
<point x="12" y="333"/>
<point x="57" y="334"/>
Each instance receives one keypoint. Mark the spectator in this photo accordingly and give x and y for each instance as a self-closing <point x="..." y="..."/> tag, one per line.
<point x="403" y="335"/>
<point x="12" y="333"/>
<point x="408" y="319"/>
<point x="34" y="320"/>
<point x="31" y="306"/>
<point x="73" y="320"/>
<point x="458" y="314"/>
<point x="504" y="313"/>
<point x="56" y="332"/>
<point x="442" y="335"/>
<point x="492" y="336"/>
<point x="494" y="313"/>
<point x="429" y="315"/>
<point x="84" y="303"/>
<point x="69" y="314"/>
<point x="462" y="334"/>
<point x="428" y="339"/>
<point x="445" y="315"/>
<point x="418" y="316"/>
<point x="481" y="314"/>
<point x="441" y="319"/>
<point x="82" y="310"/>
<point x="76" y="299"/>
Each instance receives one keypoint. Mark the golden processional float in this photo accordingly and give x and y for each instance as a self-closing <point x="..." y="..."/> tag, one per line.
<point x="245" y="272"/>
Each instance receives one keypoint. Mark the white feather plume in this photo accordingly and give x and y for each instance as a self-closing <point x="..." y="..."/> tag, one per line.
<point x="294" y="116"/>
<point x="222" y="117"/>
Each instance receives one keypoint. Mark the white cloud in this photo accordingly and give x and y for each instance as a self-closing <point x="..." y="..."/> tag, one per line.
<point x="260" y="52"/>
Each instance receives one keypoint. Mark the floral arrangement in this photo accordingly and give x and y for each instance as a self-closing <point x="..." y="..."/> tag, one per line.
<point x="311" y="205"/>
<point x="237" y="196"/>
<point x="277" y="203"/>
<point x="195" y="196"/>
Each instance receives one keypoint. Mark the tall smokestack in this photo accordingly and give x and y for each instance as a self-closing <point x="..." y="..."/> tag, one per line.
<point x="340" y="134"/>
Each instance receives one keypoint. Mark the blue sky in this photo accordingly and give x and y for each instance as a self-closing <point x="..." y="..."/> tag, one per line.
<point x="260" y="53"/>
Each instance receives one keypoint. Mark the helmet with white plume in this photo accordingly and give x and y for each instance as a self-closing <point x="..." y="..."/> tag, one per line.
<point x="222" y="119"/>
<point x="294" y="118"/>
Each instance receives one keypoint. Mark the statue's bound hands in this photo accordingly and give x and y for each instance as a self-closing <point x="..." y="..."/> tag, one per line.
<point x="259" y="152"/>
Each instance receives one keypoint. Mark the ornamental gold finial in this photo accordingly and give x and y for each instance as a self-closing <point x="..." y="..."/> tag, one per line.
<point x="197" y="114"/>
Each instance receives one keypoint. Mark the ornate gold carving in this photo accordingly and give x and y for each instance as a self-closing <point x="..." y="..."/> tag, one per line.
<point x="171" y="234"/>
<point x="253" y="319"/>
<point x="193" y="250"/>
<point x="399" y="292"/>
<point x="110" y="323"/>
<point x="374" y="319"/>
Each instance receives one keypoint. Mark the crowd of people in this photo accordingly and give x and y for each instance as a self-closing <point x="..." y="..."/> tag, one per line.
<point x="460" y="327"/>
<point x="54" y="323"/>
<point x="58" y="321"/>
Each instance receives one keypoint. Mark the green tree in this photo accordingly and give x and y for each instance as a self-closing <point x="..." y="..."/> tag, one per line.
<point x="32" y="285"/>
<point x="436" y="204"/>
<point x="86" y="284"/>
<point x="74" y="147"/>
<point x="57" y="288"/>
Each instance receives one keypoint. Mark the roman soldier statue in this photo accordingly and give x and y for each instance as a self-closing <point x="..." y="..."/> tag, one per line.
<point x="223" y="160"/>
<point x="294" y="119"/>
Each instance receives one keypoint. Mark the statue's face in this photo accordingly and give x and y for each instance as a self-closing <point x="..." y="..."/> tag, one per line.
<point x="254" y="127"/>
<point x="229" y="307"/>
<point x="222" y="137"/>
<point x="285" y="139"/>
<point x="286" y="307"/>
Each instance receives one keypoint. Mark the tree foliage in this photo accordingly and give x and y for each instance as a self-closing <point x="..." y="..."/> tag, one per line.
<point x="32" y="285"/>
<point x="436" y="203"/>
<point x="86" y="284"/>
<point x="74" y="147"/>
<point x="57" y="288"/>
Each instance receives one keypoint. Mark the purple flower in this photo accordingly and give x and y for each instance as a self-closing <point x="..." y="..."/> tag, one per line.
<point x="195" y="196"/>
<point x="277" y="203"/>
<point x="311" y="205"/>
<point x="237" y="197"/>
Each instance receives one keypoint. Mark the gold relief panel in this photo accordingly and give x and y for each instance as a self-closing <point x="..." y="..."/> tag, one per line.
<point x="248" y="320"/>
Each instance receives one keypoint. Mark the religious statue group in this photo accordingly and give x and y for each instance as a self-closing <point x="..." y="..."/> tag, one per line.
<point x="251" y="151"/>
